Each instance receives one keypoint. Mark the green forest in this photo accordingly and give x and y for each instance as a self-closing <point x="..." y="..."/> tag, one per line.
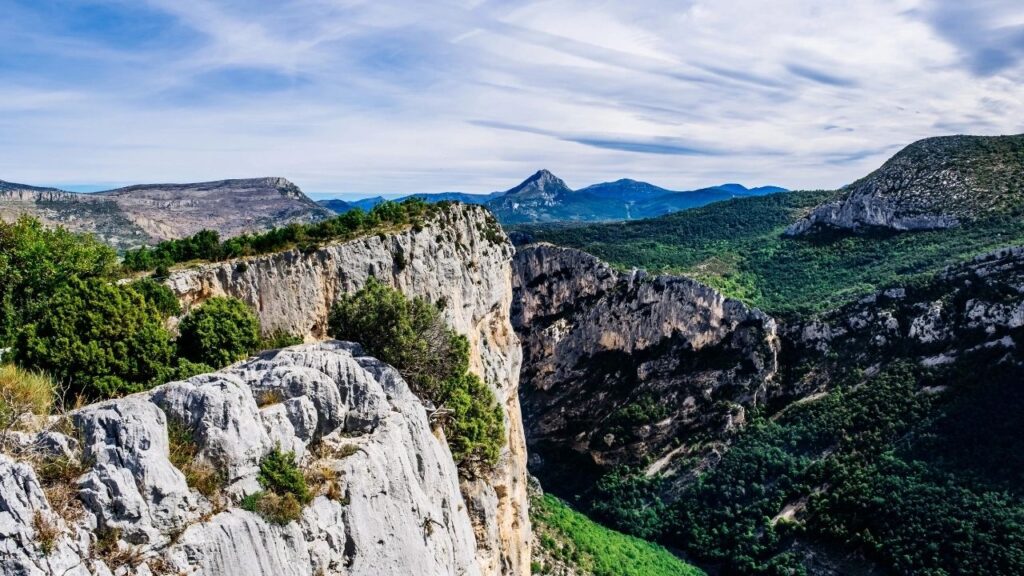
<point x="737" y="246"/>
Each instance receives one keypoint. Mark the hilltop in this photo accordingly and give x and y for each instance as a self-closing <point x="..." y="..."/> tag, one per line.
<point x="145" y="214"/>
<point x="933" y="183"/>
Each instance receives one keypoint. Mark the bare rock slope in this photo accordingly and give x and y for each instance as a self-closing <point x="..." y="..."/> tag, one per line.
<point x="395" y="507"/>
<point x="145" y="214"/>
<point x="459" y="259"/>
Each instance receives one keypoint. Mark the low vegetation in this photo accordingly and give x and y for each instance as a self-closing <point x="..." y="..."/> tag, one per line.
<point x="200" y="474"/>
<point x="285" y="491"/>
<point x="568" y="538"/>
<point x="410" y="335"/>
<point x="207" y="245"/>
<point x="23" y="394"/>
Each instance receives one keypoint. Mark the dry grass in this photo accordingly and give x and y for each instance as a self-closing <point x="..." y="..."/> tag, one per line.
<point x="22" y="394"/>
<point x="46" y="532"/>
<point x="200" y="474"/>
<point x="108" y="549"/>
<point x="269" y="397"/>
<point x="274" y="507"/>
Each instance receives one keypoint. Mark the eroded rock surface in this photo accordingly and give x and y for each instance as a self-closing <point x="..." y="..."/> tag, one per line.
<point x="459" y="259"/>
<point x="396" y="508"/>
<point x="623" y="368"/>
<point x="933" y="183"/>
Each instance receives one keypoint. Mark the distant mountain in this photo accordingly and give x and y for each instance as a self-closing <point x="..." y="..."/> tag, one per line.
<point x="145" y="214"/>
<point x="933" y="183"/>
<point x="626" y="189"/>
<point x="544" y="197"/>
<point x="335" y="205"/>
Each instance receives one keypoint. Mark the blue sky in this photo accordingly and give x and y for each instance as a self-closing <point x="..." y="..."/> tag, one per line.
<point x="404" y="96"/>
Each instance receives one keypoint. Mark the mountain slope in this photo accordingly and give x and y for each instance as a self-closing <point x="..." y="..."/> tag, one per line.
<point x="231" y="207"/>
<point x="145" y="214"/>
<point x="933" y="183"/>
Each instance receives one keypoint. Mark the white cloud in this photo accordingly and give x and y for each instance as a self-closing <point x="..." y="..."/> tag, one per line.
<point x="399" y="96"/>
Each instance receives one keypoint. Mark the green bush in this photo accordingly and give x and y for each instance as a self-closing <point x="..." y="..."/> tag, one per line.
<point x="285" y="491"/>
<point x="475" y="429"/>
<point x="102" y="339"/>
<point x="411" y="336"/>
<point x="279" y="474"/>
<point x="36" y="261"/>
<point x="158" y="295"/>
<point x="221" y="331"/>
<point x="408" y="334"/>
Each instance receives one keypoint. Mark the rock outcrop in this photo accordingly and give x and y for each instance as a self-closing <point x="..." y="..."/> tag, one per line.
<point x="394" y="508"/>
<point x="933" y="183"/>
<point x="145" y="214"/>
<point x="969" y="307"/>
<point x="623" y="368"/>
<point x="459" y="259"/>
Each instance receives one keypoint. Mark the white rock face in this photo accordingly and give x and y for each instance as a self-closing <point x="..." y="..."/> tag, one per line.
<point x="460" y="259"/>
<point x="398" y="509"/>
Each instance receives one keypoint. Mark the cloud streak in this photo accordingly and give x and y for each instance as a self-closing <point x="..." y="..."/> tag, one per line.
<point x="388" y="97"/>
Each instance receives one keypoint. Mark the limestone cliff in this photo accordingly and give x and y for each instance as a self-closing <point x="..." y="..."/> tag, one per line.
<point x="461" y="260"/>
<point x="390" y="503"/>
<point x="623" y="368"/>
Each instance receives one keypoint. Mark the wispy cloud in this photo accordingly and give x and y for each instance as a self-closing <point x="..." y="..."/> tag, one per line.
<point x="394" y="96"/>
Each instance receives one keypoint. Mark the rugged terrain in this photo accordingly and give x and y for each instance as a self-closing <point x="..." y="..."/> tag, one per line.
<point x="933" y="183"/>
<point x="626" y="368"/>
<point x="881" y="439"/>
<point x="452" y="261"/>
<point x="145" y="214"/>
<point x="393" y="505"/>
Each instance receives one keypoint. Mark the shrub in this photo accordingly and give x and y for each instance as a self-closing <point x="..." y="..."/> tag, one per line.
<point x="285" y="491"/>
<point x="279" y="474"/>
<point x="22" y="393"/>
<point x="102" y="339"/>
<point x="279" y="339"/>
<point x="273" y="507"/>
<point x="35" y="261"/>
<point x="475" y="428"/>
<point x="160" y="296"/>
<point x="221" y="331"/>
<point x="411" y="336"/>
<point x="408" y="334"/>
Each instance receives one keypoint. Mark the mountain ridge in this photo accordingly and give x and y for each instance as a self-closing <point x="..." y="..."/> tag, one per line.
<point x="544" y="197"/>
<point x="147" y="213"/>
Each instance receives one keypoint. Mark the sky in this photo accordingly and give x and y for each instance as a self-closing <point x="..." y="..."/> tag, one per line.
<point x="346" y="96"/>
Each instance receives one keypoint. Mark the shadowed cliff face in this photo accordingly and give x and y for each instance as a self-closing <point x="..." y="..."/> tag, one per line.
<point x="459" y="260"/>
<point x="625" y="368"/>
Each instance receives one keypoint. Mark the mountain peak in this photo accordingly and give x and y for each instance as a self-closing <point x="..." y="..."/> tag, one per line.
<point x="542" y="182"/>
